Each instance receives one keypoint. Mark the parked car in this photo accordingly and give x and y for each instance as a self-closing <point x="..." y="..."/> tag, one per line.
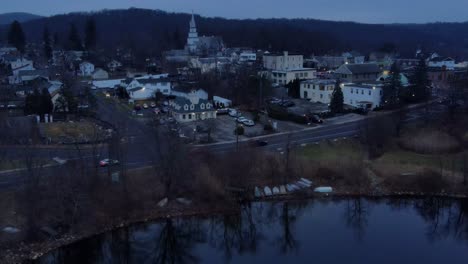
<point x="140" y="114"/>
<point x="233" y="113"/>
<point x="153" y="105"/>
<point x="156" y="111"/>
<point x="248" y="122"/>
<point x="108" y="162"/>
<point x="137" y="107"/>
<point x="145" y="106"/>
<point x="165" y="109"/>
<point x="316" y="119"/>
<point x="222" y="111"/>
<point x="287" y="104"/>
<point x="241" y="119"/>
<point x="261" y="143"/>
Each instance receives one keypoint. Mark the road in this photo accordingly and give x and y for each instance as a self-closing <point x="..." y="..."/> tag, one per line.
<point x="139" y="141"/>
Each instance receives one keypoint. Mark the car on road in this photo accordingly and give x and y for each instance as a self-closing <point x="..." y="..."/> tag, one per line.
<point x="316" y="119"/>
<point x="153" y="105"/>
<point x="108" y="162"/>
<point x="137" y="107"/>
<point x="261" y="143"/>
<point x="248" y="122"/>
<point x="145" y="106"/>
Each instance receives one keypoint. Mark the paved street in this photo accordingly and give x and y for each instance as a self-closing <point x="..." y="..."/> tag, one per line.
<point x="138" y="153"/>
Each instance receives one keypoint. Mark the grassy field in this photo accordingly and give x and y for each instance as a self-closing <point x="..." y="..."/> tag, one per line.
<point x="65" y="131"/>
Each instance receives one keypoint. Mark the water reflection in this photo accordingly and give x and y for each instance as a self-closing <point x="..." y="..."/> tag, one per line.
<point x="295" y="231"/>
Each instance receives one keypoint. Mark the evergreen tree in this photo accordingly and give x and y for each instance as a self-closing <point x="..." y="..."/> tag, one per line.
<point x="47" y="106"/>
<point x="392" y="87"/>
<point x="420" y="87"/>
<point x="294" y="88"/>
<point x="74" y="40"/>
<point x="16" y="36"/>
<point x="56" y="40"/>
<point x="91" y="34"/>
<point x="47" y="45"/>
<point x="337" y="100"/>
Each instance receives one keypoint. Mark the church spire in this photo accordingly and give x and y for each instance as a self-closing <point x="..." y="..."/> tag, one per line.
<point x="192" y="39"/>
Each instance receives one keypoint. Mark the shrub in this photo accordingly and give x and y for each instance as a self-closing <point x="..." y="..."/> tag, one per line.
<point x="239" y="130"/>
<point x="268" y="127"/>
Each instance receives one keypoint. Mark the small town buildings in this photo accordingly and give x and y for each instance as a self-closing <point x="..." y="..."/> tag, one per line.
<point x="364" y="95"/>
<point x="285" y="77"/>
<point x="210" y="64"/>
<point x="100" y="74"/>
<point x="191" y="109"/>
<point x="86" y="69"/>
<point x="358" y="73"/>
<point x="318" y="90"/>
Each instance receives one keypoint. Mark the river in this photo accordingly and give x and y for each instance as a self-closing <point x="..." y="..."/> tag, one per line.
<point x="429" y="230"/>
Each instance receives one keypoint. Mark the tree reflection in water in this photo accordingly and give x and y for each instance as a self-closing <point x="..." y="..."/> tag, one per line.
<point x="356" y="216"/>
<point x="234" y="233"/>
<point x="271" y="225"/>
<point x="175" y="243"/>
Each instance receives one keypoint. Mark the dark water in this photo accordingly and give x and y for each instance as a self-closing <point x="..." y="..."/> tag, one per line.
<point x="430" y="230"/>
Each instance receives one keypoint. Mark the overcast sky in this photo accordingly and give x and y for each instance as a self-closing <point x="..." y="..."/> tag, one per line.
<point x="368" y="11"/>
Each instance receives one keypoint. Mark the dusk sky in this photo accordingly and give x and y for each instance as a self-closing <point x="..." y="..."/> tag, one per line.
<point x="369" y="11"/>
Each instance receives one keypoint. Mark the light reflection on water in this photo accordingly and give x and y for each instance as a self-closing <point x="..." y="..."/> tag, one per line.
<point x="431" y="230"/>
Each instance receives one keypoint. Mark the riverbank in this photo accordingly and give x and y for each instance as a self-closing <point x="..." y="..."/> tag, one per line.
<point x="34" y="251"/>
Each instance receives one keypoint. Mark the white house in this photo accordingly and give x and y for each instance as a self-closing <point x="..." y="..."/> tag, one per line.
<point x="200" y="93"/>
<point x="363" y="95"/>
<point x="191" y="109"/>
<point x="145" y="88"/>
<point x="440" y="62"/>
<point x="86" y="69"/>
<point x="100" y="74"/>
<point x="18" y="64"/>
<point x="318" y="90"/>
<point x="247" y="57"/>
<point x="221" y="102"/>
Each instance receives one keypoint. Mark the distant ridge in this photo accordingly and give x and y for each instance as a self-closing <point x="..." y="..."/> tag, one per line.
<point x="8" y="18"/>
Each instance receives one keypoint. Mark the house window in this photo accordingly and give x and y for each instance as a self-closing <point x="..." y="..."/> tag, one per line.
<point x="202" y="106"/>
<point x="352" y="90"/>
<point x="362" y="91"/>
<point x="189" y="116"/>
<point x="183" y="116"/>
<point x="305" y="94"/>
<point x="208" y="106"/>
<point x="370" y="92"/>
<point x="306" y="74"/>
<point x="192" y="107"/>
<point x="321" y="96"/>
<point x="185" y="107"/>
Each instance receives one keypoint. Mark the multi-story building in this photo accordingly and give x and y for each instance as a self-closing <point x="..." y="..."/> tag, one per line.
<point x="285" y="68"/>
<point x="367" y="96"/>
<point x="318" y="90"/>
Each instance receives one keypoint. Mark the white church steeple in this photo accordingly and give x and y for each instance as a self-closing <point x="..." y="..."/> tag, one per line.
<point x="192" y="39"/>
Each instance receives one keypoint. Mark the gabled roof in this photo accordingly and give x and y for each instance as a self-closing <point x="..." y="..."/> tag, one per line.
<point x="179" y="104"/>
<point x="359" y="68"/>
